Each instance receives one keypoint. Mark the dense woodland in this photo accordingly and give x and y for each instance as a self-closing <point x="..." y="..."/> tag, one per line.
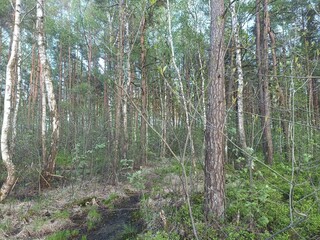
<point x="222" y="96"/>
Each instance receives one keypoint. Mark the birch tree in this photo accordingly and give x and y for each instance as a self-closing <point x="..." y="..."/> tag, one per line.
<point x="235" y="29"/>
<point x="8" y="105"/>
<point x="50" y="160"/>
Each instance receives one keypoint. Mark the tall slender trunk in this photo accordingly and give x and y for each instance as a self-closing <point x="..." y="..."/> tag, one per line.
<point x="43" y="123"/>
<point x="6" y="122"/>
<point x="49" y="166"/>
<point x="216" y="117"/>
<point x="60" y="78"/>
<point x="126" y="88"/>
<point x="282" y="98"/>
<point x="164" y="117"/>
<point x="119" y="85"/>
<point x="182" y="94"/>
<point x="267" y="101"/>
<point x="17" y="101"/>
<point x="144" y="94"/>
<point x="263" y="68"/>
<point x="31" y="86"/>
<point x="241" y="129"/>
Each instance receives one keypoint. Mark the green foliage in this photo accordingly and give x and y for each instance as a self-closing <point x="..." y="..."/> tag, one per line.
<point x="65" y="234"/>
<point x="126" y="164"/>
<point x="129" y="232"/>
<point x="160" y="235"/>
<point x="110" y="201"/>
<point x="93" y="218"/>
<point x="137" y="179"/>
<point x="63" y="159"/>
<point x="64" y="214"/>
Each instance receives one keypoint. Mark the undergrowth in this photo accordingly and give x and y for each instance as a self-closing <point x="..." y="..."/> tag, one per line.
<point x="255" y="209"/>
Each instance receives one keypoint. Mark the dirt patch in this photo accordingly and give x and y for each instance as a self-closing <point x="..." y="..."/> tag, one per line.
<point x="120" y="222"/>
<point x="39" y="215"/>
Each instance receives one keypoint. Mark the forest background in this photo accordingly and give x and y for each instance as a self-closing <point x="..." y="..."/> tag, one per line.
<point x="127" y="85"/>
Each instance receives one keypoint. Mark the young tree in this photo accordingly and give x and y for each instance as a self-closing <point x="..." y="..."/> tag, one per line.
<point x="216" y="116"/>
<point x="8" y="105"/>
<point x="49" y="164"/>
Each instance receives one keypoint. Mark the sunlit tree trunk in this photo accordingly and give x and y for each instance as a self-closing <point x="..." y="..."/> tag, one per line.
<point x="126" y="85"/>
<point x="6" y="122"/>
<point x="49" y="166"/>
<point x="17" y="100"/>
<point x="216" y="117"/>
<point x="235" y="28"/>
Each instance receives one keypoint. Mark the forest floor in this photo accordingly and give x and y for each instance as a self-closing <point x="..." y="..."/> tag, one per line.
<point x="80" y="208"/>
<point x="94" y="209"/>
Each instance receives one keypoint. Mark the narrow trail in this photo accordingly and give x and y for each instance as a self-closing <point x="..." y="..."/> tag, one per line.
<point x="115" y="221"/>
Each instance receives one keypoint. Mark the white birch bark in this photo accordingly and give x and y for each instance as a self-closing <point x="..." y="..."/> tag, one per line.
<point x="45" y="71"/>
<point x="17" y="101"/>
<point x="6" y="124"/>
<point x="43" y="120"/>
<point x="126" y="88"/>
<point x="235" y="29"/>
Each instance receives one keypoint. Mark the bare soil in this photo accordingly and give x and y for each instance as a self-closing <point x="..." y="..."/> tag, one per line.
<point x="33" y="215"/>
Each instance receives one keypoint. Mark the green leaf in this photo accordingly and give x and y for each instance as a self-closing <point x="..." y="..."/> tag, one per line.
<point x="263" y="221"/>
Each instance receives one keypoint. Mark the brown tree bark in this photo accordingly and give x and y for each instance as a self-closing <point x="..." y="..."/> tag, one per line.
<point x="263" y="69"/>
<point x="216" y="116"/>
<point x="144" y="94"/>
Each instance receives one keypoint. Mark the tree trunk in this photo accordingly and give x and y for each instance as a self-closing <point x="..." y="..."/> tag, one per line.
<point x="32" y="86"/>
<point x="182" y="95"/>
<point x="1" y="62"/>
<point x="241" y="130"/>
<point x="126" y="87"/>
<point x="144" y="94"/>
<point x="118" y="94"/>
<point x="282" y="99"/>
<point x="43" y="124"/>
<point x="262" y="59"/>
<point x="49" y="167"/>
<point x="6" y="122"/>
<point x="17" y="101"/>
<point x="216" y="117"/>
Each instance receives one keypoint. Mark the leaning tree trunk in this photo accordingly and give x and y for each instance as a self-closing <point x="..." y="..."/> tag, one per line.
<point x="6" y="124"/>
<point x="49" y="166"/>
<point x="216" y="117"/>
